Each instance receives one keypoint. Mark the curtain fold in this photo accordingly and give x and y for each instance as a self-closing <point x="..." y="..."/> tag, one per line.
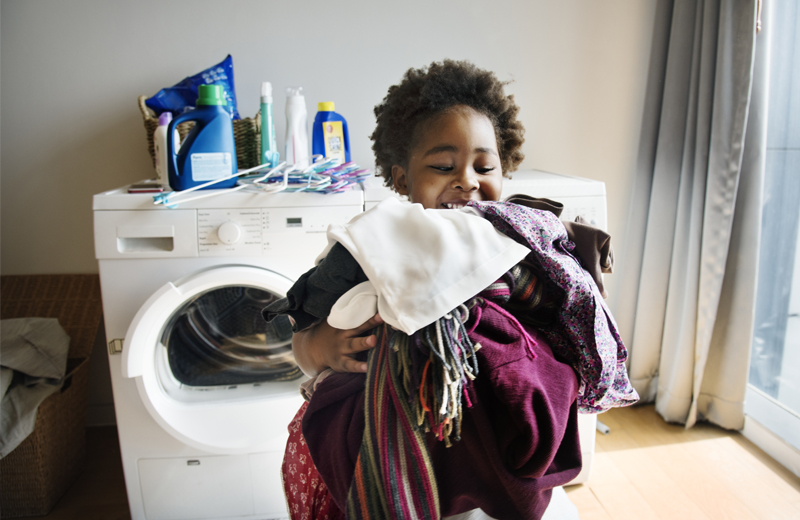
<point x="691" y="323"/>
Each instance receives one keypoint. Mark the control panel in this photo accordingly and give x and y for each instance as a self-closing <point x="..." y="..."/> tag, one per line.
<point x="235" y="231"/>
<point x="260" y="231"/>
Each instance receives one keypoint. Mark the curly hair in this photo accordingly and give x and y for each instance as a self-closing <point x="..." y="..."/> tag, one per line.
<point x="427" y="92"/>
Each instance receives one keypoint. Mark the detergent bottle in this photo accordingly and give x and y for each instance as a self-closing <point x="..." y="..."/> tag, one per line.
<point x="330" y="136"/>
<point x="209" y="151"/>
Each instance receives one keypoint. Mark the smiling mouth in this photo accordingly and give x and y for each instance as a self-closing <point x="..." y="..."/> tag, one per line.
<point x="454" y="205"/>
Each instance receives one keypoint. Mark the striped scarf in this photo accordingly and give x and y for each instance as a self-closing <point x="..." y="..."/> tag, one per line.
<point x="521" y="292"/>
<point x="415" y="384"/>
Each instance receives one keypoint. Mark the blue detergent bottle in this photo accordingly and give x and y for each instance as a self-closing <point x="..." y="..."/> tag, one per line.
<point x="209" y="151"/>
<point x="330" y="136"/>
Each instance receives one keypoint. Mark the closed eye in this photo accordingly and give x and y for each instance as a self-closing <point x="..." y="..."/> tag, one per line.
<point x="442" y="168"/>
<point x="484" y="170"/>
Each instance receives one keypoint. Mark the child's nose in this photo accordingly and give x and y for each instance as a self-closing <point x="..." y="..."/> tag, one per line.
<point x="467" y="180"/>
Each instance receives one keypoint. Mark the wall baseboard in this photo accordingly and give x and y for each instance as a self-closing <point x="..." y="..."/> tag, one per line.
<point x="100" y="415"/>
<point x="772" y="445"/>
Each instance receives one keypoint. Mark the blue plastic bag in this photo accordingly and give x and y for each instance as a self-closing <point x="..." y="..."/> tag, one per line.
<point x="178" y="98"/>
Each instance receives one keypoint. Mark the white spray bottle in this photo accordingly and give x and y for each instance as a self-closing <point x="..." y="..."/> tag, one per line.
<point x="296" y="128"/>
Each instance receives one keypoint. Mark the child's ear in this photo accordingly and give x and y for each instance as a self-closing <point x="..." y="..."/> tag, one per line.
<point x="400" y="179"/>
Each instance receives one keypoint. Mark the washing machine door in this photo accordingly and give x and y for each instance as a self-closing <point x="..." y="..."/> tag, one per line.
<point x="208" y="368"/>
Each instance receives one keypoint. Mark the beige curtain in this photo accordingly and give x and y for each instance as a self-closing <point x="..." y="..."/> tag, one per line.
<point x="686" y="298"/>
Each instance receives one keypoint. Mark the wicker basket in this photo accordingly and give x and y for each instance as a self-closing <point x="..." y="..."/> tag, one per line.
<point x="36" y="474"/>
<point x="246" y="133"/>
<point x="72" y="298"/>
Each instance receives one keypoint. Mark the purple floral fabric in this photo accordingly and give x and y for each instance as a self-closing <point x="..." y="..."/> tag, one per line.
<point x="585" y="335"/>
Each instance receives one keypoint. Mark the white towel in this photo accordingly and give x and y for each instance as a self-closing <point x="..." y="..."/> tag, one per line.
<point x="422" y="263"/>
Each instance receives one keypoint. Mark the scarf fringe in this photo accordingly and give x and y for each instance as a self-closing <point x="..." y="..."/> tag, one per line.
<point x="447" y="357"/>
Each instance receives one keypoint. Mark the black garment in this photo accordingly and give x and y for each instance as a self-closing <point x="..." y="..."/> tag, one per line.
<point x="311" y="298"/>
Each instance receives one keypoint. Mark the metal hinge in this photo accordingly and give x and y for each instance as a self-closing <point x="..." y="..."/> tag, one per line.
<point x="115" y="346"/>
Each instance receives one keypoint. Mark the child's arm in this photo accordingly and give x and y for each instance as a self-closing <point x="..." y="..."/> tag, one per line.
<point x="322" y="346"/>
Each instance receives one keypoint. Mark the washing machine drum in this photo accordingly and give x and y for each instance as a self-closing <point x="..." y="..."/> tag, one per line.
<point x="220" y="338"/>
<point x="208" y="368"/>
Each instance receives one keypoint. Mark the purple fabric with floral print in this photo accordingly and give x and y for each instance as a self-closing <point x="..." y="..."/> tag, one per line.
<point x="585" y="335"/>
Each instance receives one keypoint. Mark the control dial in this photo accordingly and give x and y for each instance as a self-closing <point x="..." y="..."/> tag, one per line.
<point x="229" y="233"/>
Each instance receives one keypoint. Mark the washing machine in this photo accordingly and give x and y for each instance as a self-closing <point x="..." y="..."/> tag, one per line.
<point x="580" y="196"/>
<point x="203" y="388"/>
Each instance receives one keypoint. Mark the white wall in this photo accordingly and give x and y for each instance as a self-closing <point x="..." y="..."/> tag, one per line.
<point x="71" y="72"/>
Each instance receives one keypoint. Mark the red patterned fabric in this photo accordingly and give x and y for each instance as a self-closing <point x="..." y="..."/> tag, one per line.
<point x="306" y="494"/>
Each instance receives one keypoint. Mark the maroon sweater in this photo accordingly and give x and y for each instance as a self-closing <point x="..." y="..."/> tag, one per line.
<point x="519" y="439"/>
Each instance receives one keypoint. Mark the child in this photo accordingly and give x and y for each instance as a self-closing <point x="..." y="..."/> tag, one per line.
<point x="445" y="137"/>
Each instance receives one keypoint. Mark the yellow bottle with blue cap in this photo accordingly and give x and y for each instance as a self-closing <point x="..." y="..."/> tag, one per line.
<point x="330" y="135"/>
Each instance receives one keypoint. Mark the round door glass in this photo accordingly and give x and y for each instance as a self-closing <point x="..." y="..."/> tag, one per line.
<point x="219" y="338"/>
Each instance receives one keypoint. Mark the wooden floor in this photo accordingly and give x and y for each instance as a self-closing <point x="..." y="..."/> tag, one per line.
<point x="644" y="469"/>
<point x="648" y="469"/>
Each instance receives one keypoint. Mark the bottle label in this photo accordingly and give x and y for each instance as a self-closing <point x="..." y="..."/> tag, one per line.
<point x="334" y="139"/>
<point x="210" y="166"/>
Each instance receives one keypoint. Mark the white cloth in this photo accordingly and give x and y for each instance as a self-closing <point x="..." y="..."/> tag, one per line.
<point x="35" y="348"/>
<point x="421" y="263"/>
<point x="354" y="307"/>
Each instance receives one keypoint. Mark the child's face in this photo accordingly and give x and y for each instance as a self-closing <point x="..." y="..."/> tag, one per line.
<point x="454" y="160"/>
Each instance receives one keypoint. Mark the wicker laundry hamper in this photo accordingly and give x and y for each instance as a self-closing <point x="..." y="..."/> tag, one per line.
<point x="246" y="133"/>
<point x="36" y="474"/>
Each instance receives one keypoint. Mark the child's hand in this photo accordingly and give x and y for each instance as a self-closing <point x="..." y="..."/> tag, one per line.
<point x="322" y="346"/>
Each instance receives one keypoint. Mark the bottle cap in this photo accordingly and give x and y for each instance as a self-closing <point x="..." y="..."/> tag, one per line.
<point x="211" y="95"/>
<point x="294" y="91"/>
<point x="326" y="106"/>
<point x="266" y="89"/>
<point x="164" y="118"/>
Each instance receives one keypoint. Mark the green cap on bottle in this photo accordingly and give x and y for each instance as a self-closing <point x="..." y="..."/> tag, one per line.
<point x="211" y="95"/>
